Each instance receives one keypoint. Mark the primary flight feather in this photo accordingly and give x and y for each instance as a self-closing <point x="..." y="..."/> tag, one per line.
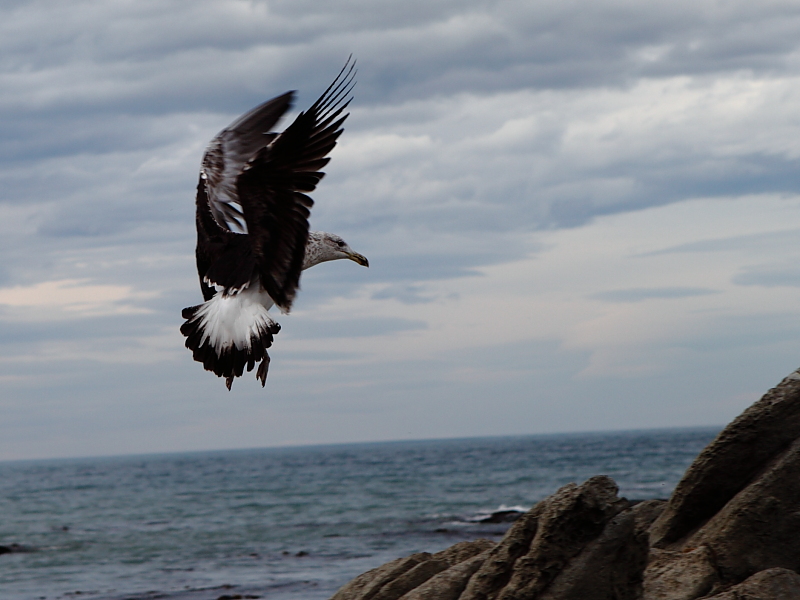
<point x="252" y="227"/>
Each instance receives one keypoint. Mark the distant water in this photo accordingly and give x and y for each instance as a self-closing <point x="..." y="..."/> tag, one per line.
<point x="286" y="524"/>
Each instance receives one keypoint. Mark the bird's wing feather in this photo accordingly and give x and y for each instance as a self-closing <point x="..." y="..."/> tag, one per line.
<point x="271" y="189"/>
<point x="223" y="257"/>
<point x="230" y="150"/>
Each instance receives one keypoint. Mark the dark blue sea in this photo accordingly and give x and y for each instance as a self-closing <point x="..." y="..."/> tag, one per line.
<point x="291" y="523"/>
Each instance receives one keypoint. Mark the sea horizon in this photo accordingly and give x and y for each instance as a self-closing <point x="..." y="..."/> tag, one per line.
<point x="293" y="522"/>
<point x="301" y="446"/>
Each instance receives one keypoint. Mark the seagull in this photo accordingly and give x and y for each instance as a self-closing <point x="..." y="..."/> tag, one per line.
<point x="253" y="239"/>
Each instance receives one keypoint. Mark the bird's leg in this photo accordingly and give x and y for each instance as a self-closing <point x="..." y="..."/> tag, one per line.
<point x="262" y="369"/>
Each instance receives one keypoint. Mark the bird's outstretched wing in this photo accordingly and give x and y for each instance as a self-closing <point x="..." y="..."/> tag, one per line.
<point x="273" y="185"/>
<point x="228" y="153"/>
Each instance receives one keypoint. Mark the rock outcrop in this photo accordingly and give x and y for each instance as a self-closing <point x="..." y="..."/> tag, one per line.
<point x="14" y="548"/>
<point x="730" y="531"/>
<point x="445" y="572"/>
<point x="737" y="509"/>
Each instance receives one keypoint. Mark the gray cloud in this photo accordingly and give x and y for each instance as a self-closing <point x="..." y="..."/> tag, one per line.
<point x="93" y="91"/>
<point x="474" y="124"/>
<point x="407" y="294"/>
<point x="759" y="242"/>
<point x="310" y="328"/>
<point x="105" y="108"/>
<point x="641" y="294"/>
<point x="769" y="275"/>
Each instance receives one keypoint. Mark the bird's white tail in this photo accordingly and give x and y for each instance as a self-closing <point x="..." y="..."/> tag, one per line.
<point x="230" y="332"/>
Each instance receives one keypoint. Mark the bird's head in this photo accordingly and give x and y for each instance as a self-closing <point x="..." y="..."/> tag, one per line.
<point x="330" y="246"/>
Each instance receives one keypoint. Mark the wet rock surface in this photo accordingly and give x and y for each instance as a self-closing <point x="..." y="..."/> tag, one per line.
<point x="502" y="516"/>
<point x="13" y="548"/>
<point x="730" y="531"/>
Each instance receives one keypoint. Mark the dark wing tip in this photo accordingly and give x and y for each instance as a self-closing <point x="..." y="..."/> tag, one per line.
<point x="273" y="188"/>
<point x="338" y="91"/>
<point x="264" y="116"/>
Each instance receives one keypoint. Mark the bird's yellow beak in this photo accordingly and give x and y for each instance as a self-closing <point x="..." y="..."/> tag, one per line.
<point x="359" y="258"/>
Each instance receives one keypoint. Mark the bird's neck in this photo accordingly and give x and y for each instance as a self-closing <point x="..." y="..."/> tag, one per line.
<point x="315" y="251"/>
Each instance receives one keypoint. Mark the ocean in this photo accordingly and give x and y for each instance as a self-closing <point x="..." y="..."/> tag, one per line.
<point x="291" y="523"/>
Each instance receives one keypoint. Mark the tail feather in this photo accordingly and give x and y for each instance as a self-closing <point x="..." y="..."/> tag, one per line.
<point x="221" y="350"/>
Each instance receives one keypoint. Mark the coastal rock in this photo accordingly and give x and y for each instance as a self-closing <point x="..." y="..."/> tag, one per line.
<point x="736" y="512"/>
<point x="580" y="543"/>
<point x="680" y="575"/>
<point x="770" y="584"/>
<point x="743" y="450"/>
<point x="647" y="511"/>
<point x="366" y="585"/>
<point x="449" y="584"/>
<point x="14" y="548"/>
<point x="502" y="516"/>
<point x="395" y="579"/>
<point x="730" y="531"/>
<point x="566" y="524"/>
<point x="463" y="550"/>
<point x="609" y="567"/>
<point x="760" y="527"/>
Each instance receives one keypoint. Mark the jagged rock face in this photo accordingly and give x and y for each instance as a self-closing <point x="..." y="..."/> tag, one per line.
<point x="582" y="543"/>
<point x="770" y="584"/>
<point x="399" y="577"/>
<point x="737" y="510"/>
<point x="576" y="525"/>
<point x="744" y="450"/>
<point x="680" y="575"/>
<point x="730" y="531"/>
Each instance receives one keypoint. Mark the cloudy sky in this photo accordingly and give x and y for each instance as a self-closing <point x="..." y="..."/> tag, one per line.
<point x="579" y="216"/>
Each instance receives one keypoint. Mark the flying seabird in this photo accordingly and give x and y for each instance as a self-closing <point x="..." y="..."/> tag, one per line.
<point x="252" y="227"/>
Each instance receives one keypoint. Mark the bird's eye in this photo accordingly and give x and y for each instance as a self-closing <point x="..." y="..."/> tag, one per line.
<point x="340" y="243"/>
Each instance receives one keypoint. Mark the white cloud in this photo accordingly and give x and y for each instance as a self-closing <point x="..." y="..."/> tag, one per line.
<point x="67" y="298"/>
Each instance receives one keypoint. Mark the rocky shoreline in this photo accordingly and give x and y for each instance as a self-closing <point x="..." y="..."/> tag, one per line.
<point x="730" y="531"/>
